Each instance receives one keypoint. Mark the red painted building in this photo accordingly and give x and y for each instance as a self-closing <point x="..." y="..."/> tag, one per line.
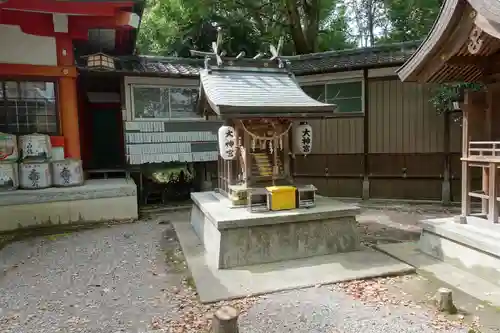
<point x="41" y="40"/>
<point x="42" y="91"/>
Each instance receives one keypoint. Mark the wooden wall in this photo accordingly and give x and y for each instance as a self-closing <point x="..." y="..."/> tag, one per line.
<point x="401" y="148"/>
<point x="335" y="166"/>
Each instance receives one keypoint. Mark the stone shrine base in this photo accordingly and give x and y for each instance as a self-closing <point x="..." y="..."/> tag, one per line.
<point x="97" y="200"/>
<point x="235" y="237"/>
<point x="233" y="253"/>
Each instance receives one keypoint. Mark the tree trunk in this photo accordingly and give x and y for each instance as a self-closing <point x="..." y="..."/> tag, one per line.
<point x="311" y="10"/>
<point x="298" y="37"/>
<point x="370" y="11"/>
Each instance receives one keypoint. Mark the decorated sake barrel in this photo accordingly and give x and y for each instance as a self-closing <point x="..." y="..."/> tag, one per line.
<point x="8" y="147"/>
<point x="68" y="172"/>
<point x="9" y="177"/>
<point x="34" y="175"/>
<point x="35" y="147"/>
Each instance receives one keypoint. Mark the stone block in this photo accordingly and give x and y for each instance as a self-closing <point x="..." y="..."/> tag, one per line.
<point x="234" y="237"/>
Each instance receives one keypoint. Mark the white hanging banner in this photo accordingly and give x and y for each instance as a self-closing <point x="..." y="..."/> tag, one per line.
<point x="227" y="142"/>
<point x="303" y="138"/>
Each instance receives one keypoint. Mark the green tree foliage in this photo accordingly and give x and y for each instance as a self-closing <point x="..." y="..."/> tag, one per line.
<point x="175" y="26"/>
<point x="410" y="19"/>
<point x="445" y="94"/>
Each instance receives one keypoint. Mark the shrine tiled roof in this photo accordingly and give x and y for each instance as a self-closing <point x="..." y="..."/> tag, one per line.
<point x="242" y="92"/>
<point x="315" y="63"/>
<point x="335" y="61"/>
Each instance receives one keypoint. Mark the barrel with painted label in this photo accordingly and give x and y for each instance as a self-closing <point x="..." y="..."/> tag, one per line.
<point x="9" y="176"/>
<point x="68" y="172"/>
<point x="8" y="147"/>
<point x="34" y="175"/>
<point x="35" y="147"/>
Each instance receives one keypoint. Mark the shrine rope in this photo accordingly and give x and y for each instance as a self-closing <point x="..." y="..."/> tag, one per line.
<point x="265" y="138"/>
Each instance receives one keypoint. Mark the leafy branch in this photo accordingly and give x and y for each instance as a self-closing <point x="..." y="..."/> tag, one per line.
<point x="444" y="95"/>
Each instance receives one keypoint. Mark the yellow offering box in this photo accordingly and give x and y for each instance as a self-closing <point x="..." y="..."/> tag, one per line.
<point x="282" y="197"/>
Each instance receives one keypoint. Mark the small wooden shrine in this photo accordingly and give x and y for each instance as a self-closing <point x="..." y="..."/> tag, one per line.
<point x="265" y="115"/>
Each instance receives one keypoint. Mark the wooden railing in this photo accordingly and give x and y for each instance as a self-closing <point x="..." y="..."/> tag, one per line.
<point x="485" y="155"/>
<point x="484" y="150"/>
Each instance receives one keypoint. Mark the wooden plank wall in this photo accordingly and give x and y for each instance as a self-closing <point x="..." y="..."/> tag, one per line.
<point x="335" y="166"/>
<point x="406" y="142"/>
<point x="398" y="148"/>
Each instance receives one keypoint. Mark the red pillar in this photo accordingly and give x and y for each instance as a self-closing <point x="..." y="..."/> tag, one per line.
<point x="68" y="101"/>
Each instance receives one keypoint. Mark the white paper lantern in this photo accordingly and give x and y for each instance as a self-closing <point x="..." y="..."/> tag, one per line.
<point x="227" y="142"/>
<point x="303" y="138"/>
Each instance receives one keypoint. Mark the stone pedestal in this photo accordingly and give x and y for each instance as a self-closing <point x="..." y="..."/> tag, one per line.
<point x="96" y="200"/>
<point x="235" y="237"/>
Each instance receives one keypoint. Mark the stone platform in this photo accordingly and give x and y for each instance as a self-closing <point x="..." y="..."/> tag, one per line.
<point x="235" y="237"/>
<point x="96" y="200"/>
<point x="473" y="247"/>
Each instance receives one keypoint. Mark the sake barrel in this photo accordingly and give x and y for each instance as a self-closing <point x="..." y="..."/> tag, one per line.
<point x="34" y="175"/>
<point x="35" y="147"/>
<point x="8" y="147"/>
<point x="68" y="172"/>
<point x="9" y="177"/>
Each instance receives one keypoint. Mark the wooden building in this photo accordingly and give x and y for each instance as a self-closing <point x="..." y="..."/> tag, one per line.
<point x="464" y="46"/>
<point x="386" y="141"/>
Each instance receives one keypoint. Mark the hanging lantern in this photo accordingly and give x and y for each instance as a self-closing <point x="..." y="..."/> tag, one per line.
<point x="227" y="142"/>
<point x="303" y="138"/>
<point x="100" y="61"/>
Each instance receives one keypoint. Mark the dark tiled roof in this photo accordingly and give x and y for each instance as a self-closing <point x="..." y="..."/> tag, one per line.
<point x="154" y="66"/>
<point x="162" y="65"/>
<point x="324" y="62"/>
<point x="335" y="61"/>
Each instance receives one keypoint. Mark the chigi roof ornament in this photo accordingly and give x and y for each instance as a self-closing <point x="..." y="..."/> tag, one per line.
<point x="276" y="52"/>
<point x="218" y="53"/>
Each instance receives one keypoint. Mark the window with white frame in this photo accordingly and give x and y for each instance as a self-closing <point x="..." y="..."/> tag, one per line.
<point x="348" y="96"/>
<point x="164" y="103"/>
<point x="28" y="107"/>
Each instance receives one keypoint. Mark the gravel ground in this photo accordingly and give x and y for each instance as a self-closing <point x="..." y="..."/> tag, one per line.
<point x="103" y="280"/>
<point x="322" y="310"/>
<point x="132" y="278"/>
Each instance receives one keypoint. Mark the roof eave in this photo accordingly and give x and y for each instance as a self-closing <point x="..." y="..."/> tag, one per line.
<point x="442" y="28"/>
<point x="299" y="112"/>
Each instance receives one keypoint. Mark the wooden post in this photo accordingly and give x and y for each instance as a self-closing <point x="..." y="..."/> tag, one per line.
<point x="68" y="98"/>
<point x="275" y="160"/>
<point x="486" y="204"/>
<point x="492" y="191"/>
<point x="247" y="158"/>
<point x="225" y="320"/>
<point x="446" y="186"/>
<point x="68" y="107"/>
<point x="465" y="204"/>
<point x="365" y="195"/>
<point x="286" y="156"/>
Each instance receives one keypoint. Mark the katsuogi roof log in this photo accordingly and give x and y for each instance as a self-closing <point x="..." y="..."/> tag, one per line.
<point x="249" y="92"/>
